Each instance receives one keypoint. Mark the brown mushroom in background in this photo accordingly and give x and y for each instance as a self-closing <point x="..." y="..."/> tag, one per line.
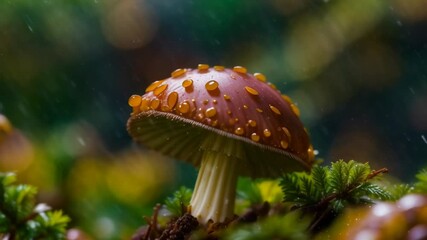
<point x="5" y="128"/>
<point x="403" y="219"/>
<point x="228" y="123"/>
<point x="16" y="151"/>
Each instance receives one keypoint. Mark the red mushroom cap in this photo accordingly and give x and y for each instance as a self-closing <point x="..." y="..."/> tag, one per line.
<point x="174" y="115"/>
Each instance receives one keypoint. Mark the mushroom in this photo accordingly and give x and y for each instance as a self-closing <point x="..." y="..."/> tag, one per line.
<point x="16" y="151"/>
<point x="226" y="122"/>
<point x="5" y="127"/>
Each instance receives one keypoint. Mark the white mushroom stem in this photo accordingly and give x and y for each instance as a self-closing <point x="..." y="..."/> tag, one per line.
<point x="215" y="190"/>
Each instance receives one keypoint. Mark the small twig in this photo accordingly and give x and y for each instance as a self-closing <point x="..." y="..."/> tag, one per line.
<point x="317" y="220"/>
<point x="148" y="232"/>
<point x="152" y="232"/>
<point x="156" y="210"/>
<point x="375" y="173"/>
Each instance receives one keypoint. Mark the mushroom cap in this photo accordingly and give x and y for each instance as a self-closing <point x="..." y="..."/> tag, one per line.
<point x="176" y="114"/>
<point x="16" y="151"/>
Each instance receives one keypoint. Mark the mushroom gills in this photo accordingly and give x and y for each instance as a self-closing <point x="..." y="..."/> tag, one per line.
<point x="180" y="138"/>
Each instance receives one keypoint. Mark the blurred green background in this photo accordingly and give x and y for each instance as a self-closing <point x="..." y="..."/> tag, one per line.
<point x="356" y="69"/>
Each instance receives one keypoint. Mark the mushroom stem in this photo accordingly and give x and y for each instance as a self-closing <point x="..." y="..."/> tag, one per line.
<point x="215" y="190"/>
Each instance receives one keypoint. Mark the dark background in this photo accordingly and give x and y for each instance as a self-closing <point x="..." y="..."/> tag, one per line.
<point x="356" y="69"/>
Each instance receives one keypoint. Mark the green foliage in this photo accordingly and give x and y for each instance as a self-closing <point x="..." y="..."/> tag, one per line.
<point x="256" y="192"/>
<point x="421" y="184"/>
<point x="21" y="218"/>
<point x="342" y="181"/>
<point x="177" y="204"/>
<point x="249" y="191"/>
<point x="312" y="202"/>
<point x="327" y="190"/>
<point x="397" y="191"/>
<point x="290" y="226"/>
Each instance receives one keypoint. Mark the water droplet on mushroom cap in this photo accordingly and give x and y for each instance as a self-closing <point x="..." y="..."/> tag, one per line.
<point x="284" y="144"/>
<point x="251" y="91"/>
<point x="153" y="86"/>
<point x="275" y="110"/>
<point x="239" y="69"/>
<point x="219" y="68"/>
<point x="160" y="89"/>
<point x="266" y="133"/>
<point x="172" y="99"/>
<point x="135" y="100"/>
<point x="155" y="103"/>
<point x="203" y="67"/>
<point x="239" y="131"/>
<point x="255" y="137"/>
<point x="187" y="83"/>
<point x="177" y="73"/>
<point x="184" y="107"/>
<point x="260" y="77"/>
<point x="295" y="109"/>
<point x="211" y="85"/>
<point x="210" y="112"/>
